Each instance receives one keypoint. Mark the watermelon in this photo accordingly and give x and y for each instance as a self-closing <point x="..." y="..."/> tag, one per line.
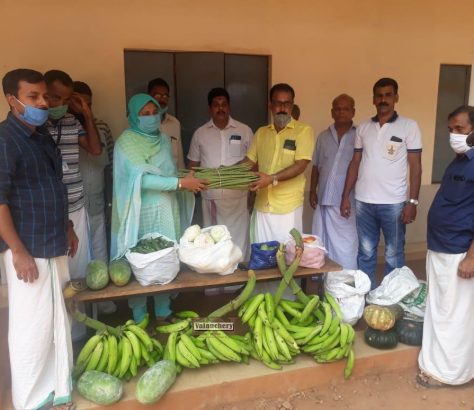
<point x="97" y="275"/>
<point x="155" y="382"/>
<point x="100" y="388"/>
<point x="120" y="272"/>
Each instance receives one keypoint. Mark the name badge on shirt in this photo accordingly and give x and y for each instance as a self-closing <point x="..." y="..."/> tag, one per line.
<point x="290" y="144"/>
<point x="235" y="149"/>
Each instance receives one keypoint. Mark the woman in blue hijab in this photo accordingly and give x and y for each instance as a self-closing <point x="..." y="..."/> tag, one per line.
<point x="148" y="195"/>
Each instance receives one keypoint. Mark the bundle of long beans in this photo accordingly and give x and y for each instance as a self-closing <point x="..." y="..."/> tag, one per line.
<point x="229" y="177"/>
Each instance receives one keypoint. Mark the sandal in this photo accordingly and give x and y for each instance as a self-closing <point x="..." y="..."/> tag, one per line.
<point x="427" y="381"/>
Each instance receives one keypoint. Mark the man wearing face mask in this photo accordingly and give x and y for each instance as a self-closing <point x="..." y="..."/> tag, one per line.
<point x="68" y="135"/>
<point x="160" y="91"/>
<point x="447" y="353"/>
<point x="282" y="151"/>
<point x="35" y="235"/>
<point x="385" y="145"/>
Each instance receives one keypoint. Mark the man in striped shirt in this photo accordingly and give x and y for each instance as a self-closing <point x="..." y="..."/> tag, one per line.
<point x="68" y="135"/>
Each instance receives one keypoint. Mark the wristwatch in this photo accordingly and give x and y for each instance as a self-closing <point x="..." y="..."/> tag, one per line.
<point x="275" y="180"/>
<point x="413" y="201"/>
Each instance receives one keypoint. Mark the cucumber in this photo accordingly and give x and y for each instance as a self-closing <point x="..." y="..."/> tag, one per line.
<point x="155" y="382"/>
<point x="100" y="388"/>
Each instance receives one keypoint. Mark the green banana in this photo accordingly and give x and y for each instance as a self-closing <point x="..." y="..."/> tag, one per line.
<point x="174" y="327"/>
<point x="187" y="341"/>
<point x="133" y="366"/>
<point x="284" y="334"/>
<point x="281" y="316"/>
<point x="144" y="323"/>
<point x="87" y="350"/>
<point x="344" y="333"/>
<point x="252" y="308"/>
<point x="142" y="336"/>
<point x="261" y="311"/>
<point x="182" y="357"/>
<point x="158" y="347"/>
<point x="208" y="355"/>
<point x="95" y="356"/>
<point x="215" y="352"/>
<point x="335" y="306"/>
<point x="101" y="366"/>
<point x="271" y="342"/>
<point x="334" y="325"/>
<point x="187" y="314"/>
<point x="244" y="307"/>
<point x="231" y="343"/>
<point x="269" y="306"/>
<point x="281" y="345"/>
<point x="308" y="309"/>
<point x="290" y="310"/>
<point x="293" y="303"/>
<point x="112" y="362"/>
<point x="258" y="335"/>
<point x="136" y="347"/>
<point x="224" y="350"/>
<point x="349" y="364"/>
<point x="182" y="350"/>
<point x="327" y="317"/>
<point x="126" y="357"/>
<point x="312" y="334"/>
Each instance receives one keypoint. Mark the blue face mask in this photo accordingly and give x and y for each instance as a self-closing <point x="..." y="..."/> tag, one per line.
<point x="149" y="124"/>
<point x="58" y="112"/>
<point x="32" y="115"/>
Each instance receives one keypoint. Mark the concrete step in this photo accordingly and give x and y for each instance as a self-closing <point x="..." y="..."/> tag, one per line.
<point x="215" y="385"/>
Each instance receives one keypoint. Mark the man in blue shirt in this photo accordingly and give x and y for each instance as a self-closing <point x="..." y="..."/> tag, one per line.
<point x="332" y="155"/>
<point x="447" y="353"/>
<point x="36" y="236"/>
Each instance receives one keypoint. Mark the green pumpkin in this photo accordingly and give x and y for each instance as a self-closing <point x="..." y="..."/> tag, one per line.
<point x="381" y="339"/>
<point x="410" y="332"/>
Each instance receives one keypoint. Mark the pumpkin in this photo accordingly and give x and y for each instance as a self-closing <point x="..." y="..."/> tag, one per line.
<point x="410" y="332"/>
<point x="381" y="339"/>
<point x="379" y="317"/>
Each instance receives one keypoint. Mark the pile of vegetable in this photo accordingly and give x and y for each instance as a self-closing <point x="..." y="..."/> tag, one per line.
<point x="279" y="330"/>
<point x="150" y="245"/>
<point x="98" y="273"/>
<point x="229" y="177"/>
<point x="387" y="327"/>
<point x="202" y="239"/>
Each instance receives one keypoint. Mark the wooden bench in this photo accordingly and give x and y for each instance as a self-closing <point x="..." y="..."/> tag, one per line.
<point x="189" y="280"/>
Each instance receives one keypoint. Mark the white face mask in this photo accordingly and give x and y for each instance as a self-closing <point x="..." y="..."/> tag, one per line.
<point x="458" y="142"/>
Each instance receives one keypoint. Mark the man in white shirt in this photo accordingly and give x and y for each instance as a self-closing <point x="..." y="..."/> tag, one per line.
<point x="385" y="146"/>
<point x="223" y="141"/>
<point x="160" y="91"/>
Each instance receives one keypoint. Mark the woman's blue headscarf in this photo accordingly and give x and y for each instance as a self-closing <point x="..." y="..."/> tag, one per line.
<point x="135" y="105"/>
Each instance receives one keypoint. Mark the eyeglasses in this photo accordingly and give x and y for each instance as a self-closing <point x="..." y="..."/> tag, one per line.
<point x="282" y="104"/>
<point x="163" y="96"/>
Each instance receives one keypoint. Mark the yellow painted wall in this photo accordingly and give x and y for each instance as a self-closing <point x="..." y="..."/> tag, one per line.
<point x="322" y="48"/>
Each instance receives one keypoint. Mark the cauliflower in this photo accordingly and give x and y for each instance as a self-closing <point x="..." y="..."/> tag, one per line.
<point x="203" y="240"/>
<point x="191" y="233"/>
<point x="217" y="233"/>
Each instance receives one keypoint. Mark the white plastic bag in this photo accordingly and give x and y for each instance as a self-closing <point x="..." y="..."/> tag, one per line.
<point x="394" y="287"/>
<point x="349" y="288"/>
<point x="154" y="268"/>
<point x="313" y="252"/>
<point x="221" y="258"/>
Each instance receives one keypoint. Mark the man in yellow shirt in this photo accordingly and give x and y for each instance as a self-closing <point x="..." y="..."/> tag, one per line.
<point x="281" y="151"/>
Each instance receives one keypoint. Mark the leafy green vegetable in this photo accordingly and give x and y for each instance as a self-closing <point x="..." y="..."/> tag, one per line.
<point x="152" y="245"/>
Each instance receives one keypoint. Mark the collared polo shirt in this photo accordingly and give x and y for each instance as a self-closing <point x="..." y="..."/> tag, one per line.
<point x="66" y="133"/>
<point x="332" y="158"/>
<point x="172" y="128"/>
<point x="31" y="185"/>
<point x="274" y="151"/>
<point x="382" y="175"/>
<point x="451" y="216"/>
<point x="213" y="147"/>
